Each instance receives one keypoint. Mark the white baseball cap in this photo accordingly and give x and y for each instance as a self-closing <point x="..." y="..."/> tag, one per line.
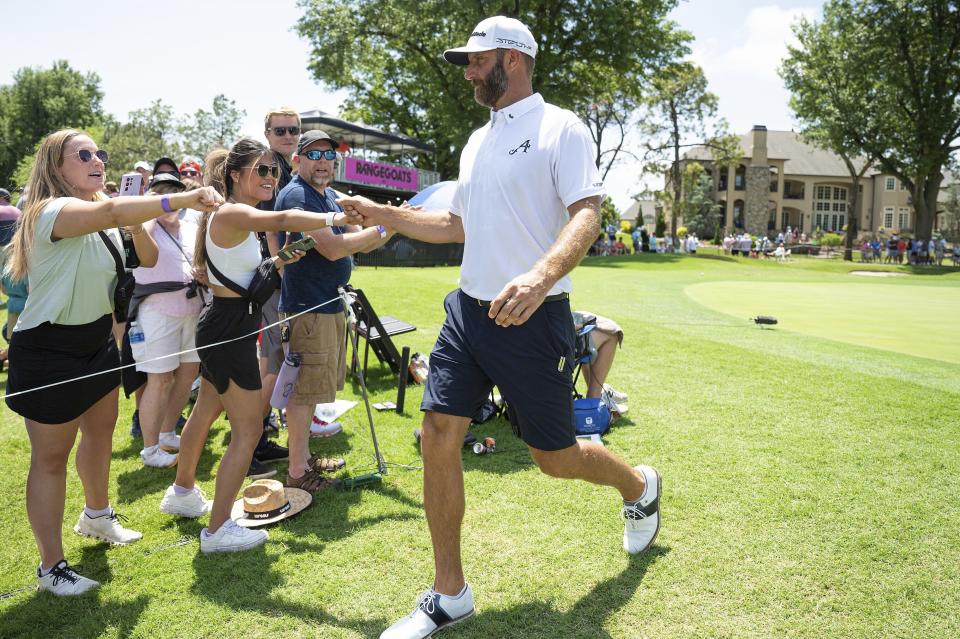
<point x="143" y="165"/>
<point x="497" y="32"/>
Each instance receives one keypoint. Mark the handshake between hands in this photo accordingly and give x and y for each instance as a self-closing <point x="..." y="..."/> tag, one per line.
<point x="365" y="212"/>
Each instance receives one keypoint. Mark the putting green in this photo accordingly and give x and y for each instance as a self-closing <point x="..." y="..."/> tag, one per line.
<point x="917" y="320"/>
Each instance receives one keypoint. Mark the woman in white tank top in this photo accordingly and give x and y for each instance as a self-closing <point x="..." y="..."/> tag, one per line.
<point x="230" y="376"/>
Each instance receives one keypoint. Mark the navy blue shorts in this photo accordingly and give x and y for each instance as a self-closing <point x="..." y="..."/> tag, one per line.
<point x="531" y="364"/>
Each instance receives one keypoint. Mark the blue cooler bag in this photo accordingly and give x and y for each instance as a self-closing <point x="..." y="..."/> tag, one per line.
<point x="593" y="416"/>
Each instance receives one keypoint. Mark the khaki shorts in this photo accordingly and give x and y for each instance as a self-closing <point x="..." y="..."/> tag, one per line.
<point x="320" y="339"/>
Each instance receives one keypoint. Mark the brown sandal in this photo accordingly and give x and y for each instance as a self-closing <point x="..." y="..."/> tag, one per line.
<point x="312" y="482"/>
<point x="326" y="464"/>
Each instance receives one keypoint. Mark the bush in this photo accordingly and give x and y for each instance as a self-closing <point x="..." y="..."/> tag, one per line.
<point x="831" y="239"/>
<point x="682" y="231"/>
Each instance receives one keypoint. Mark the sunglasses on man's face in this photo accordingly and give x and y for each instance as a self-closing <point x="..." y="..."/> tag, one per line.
<point x="86" y="155"/>
<point x="189" y="173"/>
<point x="267" y="169"/>
<point x="315" y="154"/>
<point x="279" y="131"/>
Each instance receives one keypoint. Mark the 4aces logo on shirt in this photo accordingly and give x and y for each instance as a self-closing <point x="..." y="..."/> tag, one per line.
<point x="525" y="146"/>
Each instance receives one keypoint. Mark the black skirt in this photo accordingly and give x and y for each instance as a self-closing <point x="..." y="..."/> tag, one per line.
<point x="225" y="319"/>
<point x="52" y="353"/>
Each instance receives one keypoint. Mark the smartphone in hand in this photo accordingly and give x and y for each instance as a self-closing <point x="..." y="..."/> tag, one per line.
<point x="304" y="244"/>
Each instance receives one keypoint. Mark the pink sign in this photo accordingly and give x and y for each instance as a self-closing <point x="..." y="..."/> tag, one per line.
<point x="380" y="174"/>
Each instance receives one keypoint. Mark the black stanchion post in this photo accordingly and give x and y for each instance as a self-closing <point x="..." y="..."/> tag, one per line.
<point x="404" y="374"/>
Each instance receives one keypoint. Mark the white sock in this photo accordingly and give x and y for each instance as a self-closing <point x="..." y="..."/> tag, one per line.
<point x="94" y="513"/>
<point x="456" y="596"/>
<point x="149" y="450"/>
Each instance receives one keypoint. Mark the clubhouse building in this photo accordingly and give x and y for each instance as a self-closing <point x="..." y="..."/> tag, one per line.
<point x="782" y="181"/>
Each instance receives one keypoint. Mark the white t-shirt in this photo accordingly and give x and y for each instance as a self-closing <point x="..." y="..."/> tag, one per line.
<point x="518" y="175"/>
<point x="71" y="280"/>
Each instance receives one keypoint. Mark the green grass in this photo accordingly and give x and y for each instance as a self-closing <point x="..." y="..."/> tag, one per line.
<point x="810" y="487"/>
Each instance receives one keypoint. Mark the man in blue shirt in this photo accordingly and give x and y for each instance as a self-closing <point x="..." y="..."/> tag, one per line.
<point x="319" y="336"/>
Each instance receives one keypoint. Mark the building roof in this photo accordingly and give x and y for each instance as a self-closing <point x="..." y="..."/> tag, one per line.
<point x="362" y="136"/>
<point x="801" y="158"/>
<point x="646" y="208"/>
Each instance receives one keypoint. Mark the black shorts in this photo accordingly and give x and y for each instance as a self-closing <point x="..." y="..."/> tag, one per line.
<point x="225" y="319"/>
<point x="532" y="364"/>
<point x="53" y="352"/>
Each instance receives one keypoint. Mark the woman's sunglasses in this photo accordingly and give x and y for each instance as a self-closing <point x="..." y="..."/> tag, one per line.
<point x="267" y="169"/>
<point x="315" y="154"/>
<point x="86" y="155"/>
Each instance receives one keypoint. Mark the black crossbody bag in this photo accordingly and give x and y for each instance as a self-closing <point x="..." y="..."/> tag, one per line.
<point x="123" y="293"/>
<point x="264" y="283"/>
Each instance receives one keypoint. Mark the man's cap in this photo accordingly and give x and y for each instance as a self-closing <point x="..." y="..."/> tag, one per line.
<point x="497" y="32"/>
<point x="191" y="165"/>
<point x="4" y="194"/>
<point x="142" y="164"/>
<point x="166" y="161"/>
<point x="314" y="135"/>
<point x="168" y="178"/>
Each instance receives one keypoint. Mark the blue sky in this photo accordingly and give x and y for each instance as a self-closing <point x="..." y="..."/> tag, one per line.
<point x="187" y="52"/>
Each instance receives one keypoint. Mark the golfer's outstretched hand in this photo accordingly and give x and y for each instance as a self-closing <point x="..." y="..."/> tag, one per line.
<point x="363" y="211"/>
<point x="519" y="299"/>
<point x="207" y="199"/>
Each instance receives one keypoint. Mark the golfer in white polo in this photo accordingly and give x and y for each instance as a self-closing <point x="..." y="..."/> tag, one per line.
<point x="527" y="207"/>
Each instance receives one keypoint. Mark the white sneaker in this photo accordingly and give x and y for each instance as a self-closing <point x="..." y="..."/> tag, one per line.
<point x="433" y="613"/>
<point x="63" y="581"/>
<point x="193" y="504"/>
<point x="231" y="538"/>
<point x="106" y="528"/>
<point x="158" y="458"/>
<point x="170" y="441"/>
<point x="320" y="428"/>
<point x="642" y="521"/>
<point x="617" y="396"/>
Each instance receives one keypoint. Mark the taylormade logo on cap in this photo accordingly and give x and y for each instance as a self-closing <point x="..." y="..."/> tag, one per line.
<point x="498" y="32"/>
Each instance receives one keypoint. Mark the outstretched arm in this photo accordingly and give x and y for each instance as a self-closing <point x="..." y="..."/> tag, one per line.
<point x="435" y="227"/>
<point x="80" y="218"/>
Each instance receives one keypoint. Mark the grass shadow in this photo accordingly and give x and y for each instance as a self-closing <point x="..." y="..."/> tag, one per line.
<point x="251" y="585"/>
<point x="585" y="619"/>
<point x="47" y="615"/>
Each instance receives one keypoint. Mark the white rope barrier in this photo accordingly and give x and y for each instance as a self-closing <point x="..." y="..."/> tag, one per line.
<point x="189" y="350"/>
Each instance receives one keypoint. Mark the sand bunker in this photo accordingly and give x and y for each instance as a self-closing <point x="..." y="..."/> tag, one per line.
<point x="878" y="273"/>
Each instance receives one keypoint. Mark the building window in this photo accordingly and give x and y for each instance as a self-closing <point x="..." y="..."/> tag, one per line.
<point x="888" y="217"/>
<point x="891" y="184"/>
<point x="832" y="200"/>
<point x="740" y="178"/>
<point x="904" y="218"/>
<point x="738" y="214"/>
<point x="722" y="186"/>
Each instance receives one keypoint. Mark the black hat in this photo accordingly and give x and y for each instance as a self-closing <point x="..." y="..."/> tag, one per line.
<point x="166" y="161"/>
<point x="166" y="178"/>
<point x="4" y="194"/>
<point x="316" y="135"/>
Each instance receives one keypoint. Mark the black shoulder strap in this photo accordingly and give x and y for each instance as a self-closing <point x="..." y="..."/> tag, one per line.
<point x="114" y="252"/>
<point x="226" y="281"/>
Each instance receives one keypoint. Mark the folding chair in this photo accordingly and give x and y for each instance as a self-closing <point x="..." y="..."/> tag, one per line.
<point x="376" y="332"/>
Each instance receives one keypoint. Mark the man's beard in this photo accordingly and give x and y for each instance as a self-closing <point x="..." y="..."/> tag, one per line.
<point x="492" y="87"/>
<point x="318" y="182"/>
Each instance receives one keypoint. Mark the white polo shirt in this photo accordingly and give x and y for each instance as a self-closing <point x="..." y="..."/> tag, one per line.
<point x="518" y="175"/>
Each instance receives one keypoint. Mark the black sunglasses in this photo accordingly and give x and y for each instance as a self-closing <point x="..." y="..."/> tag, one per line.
<point x="86" y="155"/>
<point x="264" y="169"/>
<point x="316" y="154"/>
<point x="290" y="130"/>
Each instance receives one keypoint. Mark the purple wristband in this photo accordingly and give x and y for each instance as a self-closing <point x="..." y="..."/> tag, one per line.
<point x="165" y="204"/>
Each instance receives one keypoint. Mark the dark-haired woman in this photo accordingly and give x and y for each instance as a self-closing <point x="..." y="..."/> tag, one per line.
<point x="65" y="333"/>
<point x="230" y="373"/>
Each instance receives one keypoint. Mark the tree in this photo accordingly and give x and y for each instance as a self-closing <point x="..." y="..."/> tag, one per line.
<point x="910" y="52"/>
<point x="148" y="134"/>
<point x="388" y="56"/>
<point x="678" y="109"/>
<point x="41" y="101"/>
<point x="701" y="214"/>
<point x="829" y="88"/>
<point x="609" y="214"/>
<point x="207" y="130"/>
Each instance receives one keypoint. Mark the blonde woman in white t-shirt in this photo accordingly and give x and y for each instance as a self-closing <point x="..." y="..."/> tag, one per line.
<point x="64" y="333"/>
